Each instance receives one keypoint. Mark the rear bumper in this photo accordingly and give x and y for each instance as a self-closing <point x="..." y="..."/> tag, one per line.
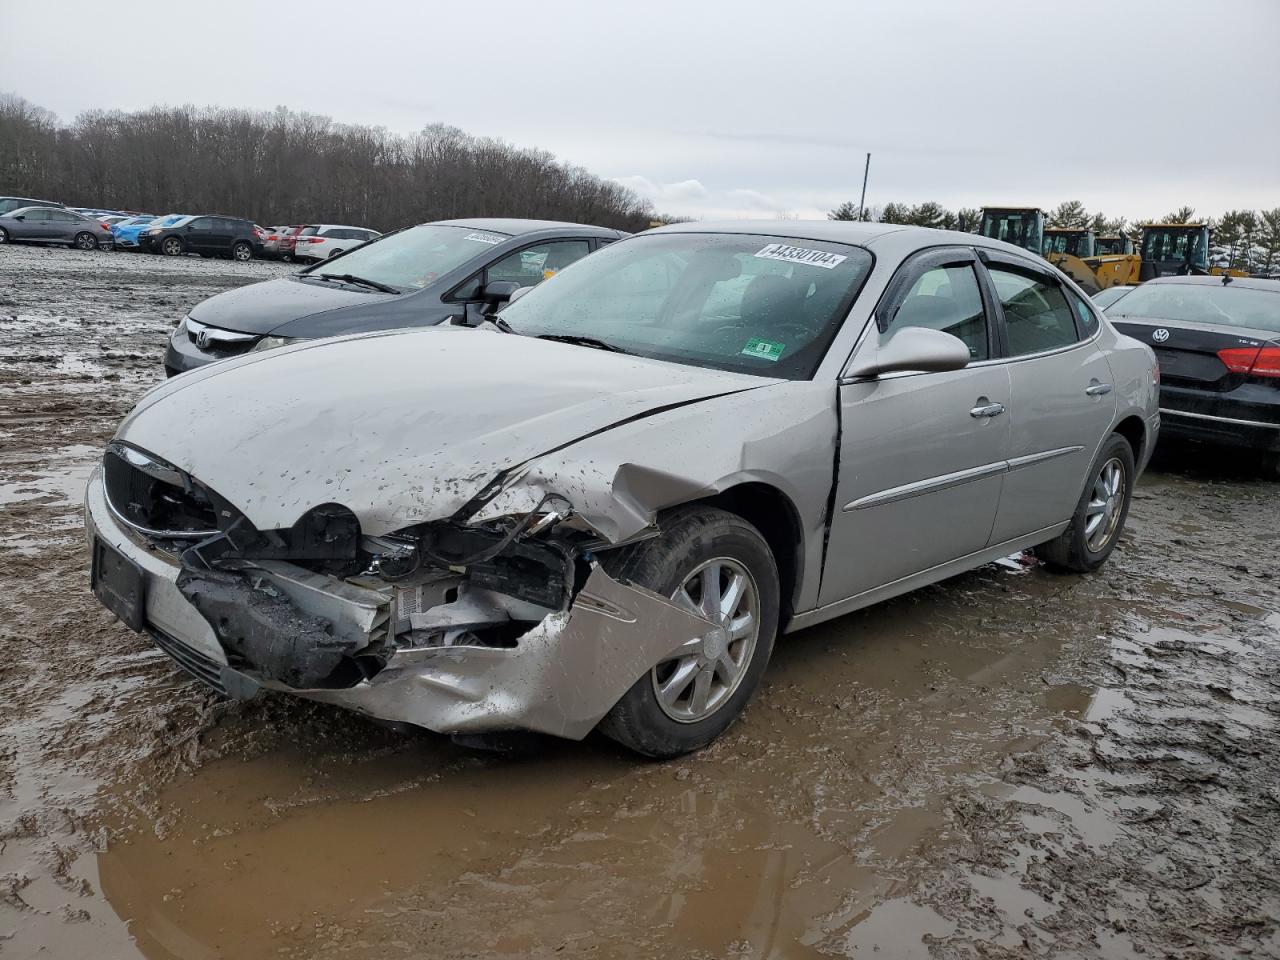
<point x="1248" y="416"/>
<point x="1227" y="431"/>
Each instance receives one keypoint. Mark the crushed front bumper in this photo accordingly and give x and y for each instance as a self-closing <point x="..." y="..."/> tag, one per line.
<point x="560" y="678"/>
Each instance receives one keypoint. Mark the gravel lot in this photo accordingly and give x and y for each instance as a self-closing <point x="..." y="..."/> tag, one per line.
<point x="1003" y="765"/>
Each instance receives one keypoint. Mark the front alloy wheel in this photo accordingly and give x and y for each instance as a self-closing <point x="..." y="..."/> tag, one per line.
<point x="705" y="673"/>
<point x="718" y="566"/>
<point x="171" y="247"/>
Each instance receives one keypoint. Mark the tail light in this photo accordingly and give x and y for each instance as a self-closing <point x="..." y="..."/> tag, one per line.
<point x="1252" y="361"/>
<point x="311" y="239"/>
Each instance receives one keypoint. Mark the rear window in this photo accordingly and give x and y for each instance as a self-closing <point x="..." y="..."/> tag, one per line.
<point x="308" y="231"/>
<point x="1211" y="303"/>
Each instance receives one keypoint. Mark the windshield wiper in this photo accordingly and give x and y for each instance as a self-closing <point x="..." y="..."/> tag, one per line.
<point x="500" y="324"/>
<point x="579" y="341"/>
<point x="360" y="281"/>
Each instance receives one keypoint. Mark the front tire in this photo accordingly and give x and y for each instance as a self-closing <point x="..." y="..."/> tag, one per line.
<point x="172" y="247"/>
<point x="1100" y="515"/>
<point x="718" y="565"/>
<point x="4" y="235"/>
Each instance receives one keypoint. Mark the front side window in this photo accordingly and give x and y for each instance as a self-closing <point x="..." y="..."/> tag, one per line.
<point x="41" y="215"/>
<point x="414" y="258"/>
<point x="201" y="223"/>
<point x="745" y="303"/>
<point x="1036" y="314"/>
<point x="532" y="265"/>
<point x="946" y="299"/>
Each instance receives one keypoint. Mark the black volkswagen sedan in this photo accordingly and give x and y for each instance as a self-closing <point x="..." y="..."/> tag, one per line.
<point x="424" y="275"/>
<point x="1218" y="343"/>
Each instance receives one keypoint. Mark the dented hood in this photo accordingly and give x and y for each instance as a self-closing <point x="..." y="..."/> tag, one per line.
<point x="401" y="428"/>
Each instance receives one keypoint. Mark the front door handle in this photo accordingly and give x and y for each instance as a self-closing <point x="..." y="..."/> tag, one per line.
<point x="1096" y="389"/>
<point x="984" y="409"/>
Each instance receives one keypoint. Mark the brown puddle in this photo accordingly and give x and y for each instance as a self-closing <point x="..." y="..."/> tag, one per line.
<point x="778" y="841"/>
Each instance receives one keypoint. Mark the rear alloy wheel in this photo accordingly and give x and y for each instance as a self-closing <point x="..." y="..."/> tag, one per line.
<point x="171" y="247"/>
<point x="1100" y="514"/>
<point x="86" y="241"/>
<point x="242" y="252"/>
<point x="714" y="564"/>
<point x="334" y="254"/>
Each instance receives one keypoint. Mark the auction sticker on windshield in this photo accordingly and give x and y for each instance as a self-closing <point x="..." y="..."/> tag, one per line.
<point x="764" y="349"/>
<point x="494" y="238"/>
<point x="789" y="254"/>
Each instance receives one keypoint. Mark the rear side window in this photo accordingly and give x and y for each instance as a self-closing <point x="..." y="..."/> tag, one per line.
<point x="1036" y="314"/>
<point x="1086" y="322"/>
<point x="946" y="299"/>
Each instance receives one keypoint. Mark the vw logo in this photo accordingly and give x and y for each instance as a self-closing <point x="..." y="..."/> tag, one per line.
<point x="1159" y="336"/>
<point x="202" y="338"/>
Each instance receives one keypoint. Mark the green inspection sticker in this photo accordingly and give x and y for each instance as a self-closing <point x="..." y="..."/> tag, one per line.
<point x="763" y="349"/>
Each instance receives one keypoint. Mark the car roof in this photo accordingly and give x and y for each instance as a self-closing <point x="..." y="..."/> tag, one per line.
<point x="516" y="227"/>
<point x="892" y="237"/>
<point x="38" y="203"/>
<point x="340" y="226"/>
<point x="1249" y="283"/>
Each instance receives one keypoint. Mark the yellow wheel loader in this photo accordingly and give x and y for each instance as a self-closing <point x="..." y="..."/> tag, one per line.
<point x="1071" y="250"/>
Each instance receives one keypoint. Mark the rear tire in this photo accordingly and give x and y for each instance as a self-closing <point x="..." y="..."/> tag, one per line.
<point x="334" y="254"/>
<point x="85" y="241"/>
<point x="1100" y="515"/>
<point x="242" y="252"/>
<point x="706" y="688"/>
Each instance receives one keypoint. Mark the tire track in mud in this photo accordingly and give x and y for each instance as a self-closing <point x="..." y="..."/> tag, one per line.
<point x="999" y="766"/>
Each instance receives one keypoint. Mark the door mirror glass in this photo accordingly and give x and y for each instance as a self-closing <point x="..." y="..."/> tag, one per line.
<point x="912" y="348"/>
<point x="520" y="293"/>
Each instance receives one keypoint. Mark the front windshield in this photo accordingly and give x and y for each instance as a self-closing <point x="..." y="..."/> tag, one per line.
<point x="1022" y="229"/>
<point x="1213" y="303"/>
<point x="1074" y="244"/>
<point x="752" y="304"/>
<point x="413" y="258"/>
<point x="12" y="204"/>
<point x="1177" y="244"/>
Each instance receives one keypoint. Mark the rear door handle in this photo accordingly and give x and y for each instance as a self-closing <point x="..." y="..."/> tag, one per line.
<point x="986" y="409"/>
<point x="1096" y="389"/>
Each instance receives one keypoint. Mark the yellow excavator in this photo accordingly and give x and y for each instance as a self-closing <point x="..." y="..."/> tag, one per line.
<point x="1071" y="250"/>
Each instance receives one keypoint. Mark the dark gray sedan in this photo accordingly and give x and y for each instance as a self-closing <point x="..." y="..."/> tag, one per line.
<point x="53" y="225"/>
<point x="417" y="277"/>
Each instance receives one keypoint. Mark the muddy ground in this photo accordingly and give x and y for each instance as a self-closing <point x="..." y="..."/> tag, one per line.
<point x="1004" y="765"/>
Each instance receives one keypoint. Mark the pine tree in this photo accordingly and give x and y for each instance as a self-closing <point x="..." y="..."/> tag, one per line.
<point x="1181" y="215"/>
<point x="1069" y="213"/>
<point x="1268" y="240"/>
<point x="846" y="211"/>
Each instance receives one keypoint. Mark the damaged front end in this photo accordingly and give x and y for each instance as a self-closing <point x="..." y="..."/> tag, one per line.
<point x="458" y="625"/>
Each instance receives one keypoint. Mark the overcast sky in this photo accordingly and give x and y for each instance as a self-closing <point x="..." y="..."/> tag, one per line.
<point x="719" y="108"/>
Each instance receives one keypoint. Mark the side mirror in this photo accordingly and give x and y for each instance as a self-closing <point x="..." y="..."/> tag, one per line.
<point x="21" y="216"/>
<point x="911" y="348"/>
<point x="499" y="291"/>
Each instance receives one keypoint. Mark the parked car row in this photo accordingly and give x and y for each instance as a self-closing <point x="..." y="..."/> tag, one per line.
<point x="31" y="220"/>
<point x="598" y="506"/>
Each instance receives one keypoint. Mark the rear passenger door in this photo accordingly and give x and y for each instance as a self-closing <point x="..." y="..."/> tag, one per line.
<point x="1062" y="400"/>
